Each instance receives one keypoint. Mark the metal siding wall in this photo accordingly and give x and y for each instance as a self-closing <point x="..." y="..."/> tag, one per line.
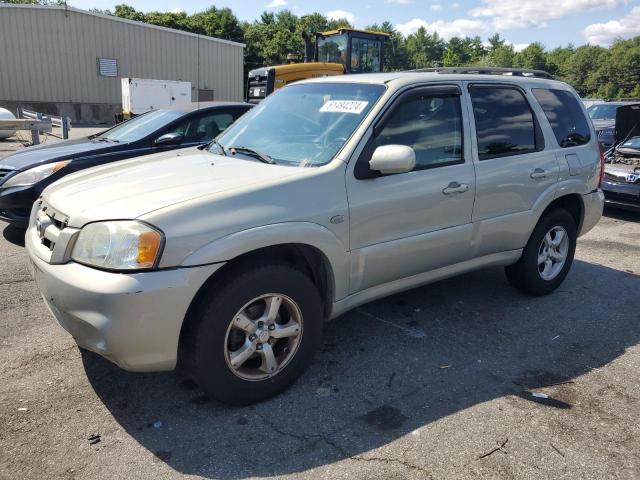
<point x="49" y="55"/>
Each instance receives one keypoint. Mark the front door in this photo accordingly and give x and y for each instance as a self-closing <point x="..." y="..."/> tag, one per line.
<point x="410" y="223"/>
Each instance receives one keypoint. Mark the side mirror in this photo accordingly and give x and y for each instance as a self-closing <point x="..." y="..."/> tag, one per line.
<point x="390" y="159"/>
<point x="168" y="140"/>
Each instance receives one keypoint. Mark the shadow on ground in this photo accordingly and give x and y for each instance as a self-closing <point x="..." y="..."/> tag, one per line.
<point x="448" y="346"/>
<point x="14" y="235"/>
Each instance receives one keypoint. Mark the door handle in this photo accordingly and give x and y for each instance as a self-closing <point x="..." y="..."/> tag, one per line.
<point x="455" y="187"/>
<point x="539" y="173"/>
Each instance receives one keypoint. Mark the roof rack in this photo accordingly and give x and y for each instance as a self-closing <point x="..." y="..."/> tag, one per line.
<point x="516" y="72"/>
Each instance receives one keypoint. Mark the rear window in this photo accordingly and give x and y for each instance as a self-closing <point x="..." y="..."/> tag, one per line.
<point x="565" y="116"/>
<point x="504" y="122"/>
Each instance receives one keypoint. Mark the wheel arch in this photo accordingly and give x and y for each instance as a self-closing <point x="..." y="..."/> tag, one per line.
<point x="572" y="203"/>
<point x="304" y="257"/>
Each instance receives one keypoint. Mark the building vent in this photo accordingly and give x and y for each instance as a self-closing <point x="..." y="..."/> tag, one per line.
<point x="108" y="67"/>
<point x="205" y="95"/>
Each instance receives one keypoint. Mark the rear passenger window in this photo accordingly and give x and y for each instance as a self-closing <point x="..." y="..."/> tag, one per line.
<point x="565" y="116"/>
<point x="504" y="122"/>
<point x="431" y="125"/>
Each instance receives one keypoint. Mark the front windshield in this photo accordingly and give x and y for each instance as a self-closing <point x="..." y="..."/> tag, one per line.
<point x="139" y="127"/>
<point x="302" y="125"/>
<point x="602" y="112"/>
<point x="633" y="143"/>
<point x="333" y="49"/>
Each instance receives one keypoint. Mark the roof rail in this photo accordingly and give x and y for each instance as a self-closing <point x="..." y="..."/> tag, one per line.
<point x="516" y="72"/>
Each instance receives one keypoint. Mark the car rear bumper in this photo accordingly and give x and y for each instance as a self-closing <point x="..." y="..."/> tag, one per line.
<point x="134" y="320"/>
<point x="593" y="205"/>
<point x="622" y="195"/>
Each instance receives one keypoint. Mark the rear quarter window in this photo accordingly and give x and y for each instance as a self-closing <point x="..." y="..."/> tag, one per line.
<point x="565" y="116"/>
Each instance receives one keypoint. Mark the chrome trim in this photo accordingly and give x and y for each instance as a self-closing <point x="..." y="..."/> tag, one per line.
<point x="50" y="227"/>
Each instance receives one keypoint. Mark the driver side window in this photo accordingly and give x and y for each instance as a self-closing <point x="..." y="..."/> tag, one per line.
<point x="431" y="125"/>
<point x="204" y="128"/>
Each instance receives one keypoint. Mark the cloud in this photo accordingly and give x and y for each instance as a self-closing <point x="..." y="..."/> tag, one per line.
<point x="457" y="28"/>
<point x="455" y="5"/>
<point x="339" y="14"/>
<point x="176" y="10"/>
<point x="518" y="47"/>
<point x="507" y="14"/>
<point x="399" y="2"/>
<point x="606" y="33"/>
<point x="276" y="3"/>
<point x="436" y="7"/>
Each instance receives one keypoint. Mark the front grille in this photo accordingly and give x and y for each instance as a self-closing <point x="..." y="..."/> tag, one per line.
<point x="4" y="172"/>
<point x="49" y="225"/>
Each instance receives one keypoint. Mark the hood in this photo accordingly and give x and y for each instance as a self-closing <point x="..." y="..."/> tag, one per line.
<point x="130" y="189"/>
<point x="627" y="122"/>
<point x="39" y="154"/>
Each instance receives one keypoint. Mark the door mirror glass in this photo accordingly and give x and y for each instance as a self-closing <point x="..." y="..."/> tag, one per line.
<point x="390" y="159"/>
<point x="168" y="140"/>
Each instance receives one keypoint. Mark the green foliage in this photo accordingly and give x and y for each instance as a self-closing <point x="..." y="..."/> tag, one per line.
<point x="592" y="70"/>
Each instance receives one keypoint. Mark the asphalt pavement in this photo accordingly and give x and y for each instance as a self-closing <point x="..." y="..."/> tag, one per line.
<point x="465" y="378"/>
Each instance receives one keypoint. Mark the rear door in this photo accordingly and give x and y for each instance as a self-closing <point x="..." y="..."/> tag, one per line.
<point x="513" y="167"/>
<point x="410" y="223"/>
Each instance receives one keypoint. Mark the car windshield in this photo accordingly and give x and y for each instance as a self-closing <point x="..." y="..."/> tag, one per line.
<point x="302" y="125"/>
<point x="633" y="143"/>
<point x="602" y="112"/>
<point x="139" y="127"/>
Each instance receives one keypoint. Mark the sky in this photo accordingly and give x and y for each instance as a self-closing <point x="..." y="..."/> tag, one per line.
<point x="550" y="22"/>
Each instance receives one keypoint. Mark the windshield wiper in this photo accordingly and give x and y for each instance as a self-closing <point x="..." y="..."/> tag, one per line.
<point x="263" y="157"/>
<point x="107" y="139"/>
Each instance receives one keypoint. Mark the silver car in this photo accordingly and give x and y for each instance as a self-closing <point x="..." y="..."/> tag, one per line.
<point x="331" y="193"/>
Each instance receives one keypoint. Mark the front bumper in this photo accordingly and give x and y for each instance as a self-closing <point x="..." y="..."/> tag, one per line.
<point x="133" y="319"/>
<point x="622" y="195"/>
<point x="15" y="204"/>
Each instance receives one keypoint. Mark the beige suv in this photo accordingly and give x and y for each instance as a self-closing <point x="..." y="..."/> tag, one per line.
<point x="329" y="194"/>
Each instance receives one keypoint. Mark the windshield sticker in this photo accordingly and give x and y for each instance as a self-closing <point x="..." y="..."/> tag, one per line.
<point x="344" y="106"/>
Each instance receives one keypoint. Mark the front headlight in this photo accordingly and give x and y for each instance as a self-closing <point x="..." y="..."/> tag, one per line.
<point x="118" y="245"/>
<point x="34" y="175"/>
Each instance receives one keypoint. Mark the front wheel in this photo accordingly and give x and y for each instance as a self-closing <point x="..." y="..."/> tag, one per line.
<point x="256" y="335"/>
<point x="548" y="255"/>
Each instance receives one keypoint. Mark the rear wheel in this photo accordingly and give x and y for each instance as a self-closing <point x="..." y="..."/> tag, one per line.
<point x="256" y="335"/>
<point x="548" y="255"/>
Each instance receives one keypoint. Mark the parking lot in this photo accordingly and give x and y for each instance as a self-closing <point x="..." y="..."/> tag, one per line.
<point x="433" y="383"/>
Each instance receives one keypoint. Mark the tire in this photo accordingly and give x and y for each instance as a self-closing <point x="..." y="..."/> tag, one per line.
<point x="213" y="340"/>
<point x="534" y="278"/>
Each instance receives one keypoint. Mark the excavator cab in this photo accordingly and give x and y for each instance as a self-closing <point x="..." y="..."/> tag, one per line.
<point x="336" y="52"/>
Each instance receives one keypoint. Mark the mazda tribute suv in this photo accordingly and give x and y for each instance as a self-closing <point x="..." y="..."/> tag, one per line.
<point x="329" y="194"/>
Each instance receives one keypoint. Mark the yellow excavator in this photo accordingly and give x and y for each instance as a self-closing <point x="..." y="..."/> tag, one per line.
<point x="336" y="52"/>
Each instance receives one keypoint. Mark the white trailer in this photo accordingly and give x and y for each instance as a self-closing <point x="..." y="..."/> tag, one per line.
<point x="140" y="95"/>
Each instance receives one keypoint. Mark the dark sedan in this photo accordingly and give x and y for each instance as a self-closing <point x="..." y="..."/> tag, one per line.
<point x="621" y="182"/>
<point x="24" y="174"/>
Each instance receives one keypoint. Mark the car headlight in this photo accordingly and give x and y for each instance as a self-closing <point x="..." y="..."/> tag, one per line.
<point x="118" y="245"/>
<point x="35" y="174"/>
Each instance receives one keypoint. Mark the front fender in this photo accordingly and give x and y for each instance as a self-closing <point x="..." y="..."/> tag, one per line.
<point x="306" y="233"/>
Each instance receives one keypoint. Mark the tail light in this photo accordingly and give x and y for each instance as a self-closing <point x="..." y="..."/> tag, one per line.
<point x="601" y="164"/>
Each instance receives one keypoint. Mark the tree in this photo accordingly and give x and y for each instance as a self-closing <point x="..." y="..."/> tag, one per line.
<point x="533" y="56"/>
<point x="592" y="70"/>
<point x="425" y="50"/>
